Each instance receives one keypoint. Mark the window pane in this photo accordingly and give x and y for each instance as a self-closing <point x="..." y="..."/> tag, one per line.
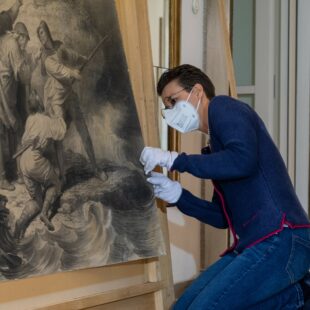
<point x="249" y="99"/>
<point x="244" y="41"/>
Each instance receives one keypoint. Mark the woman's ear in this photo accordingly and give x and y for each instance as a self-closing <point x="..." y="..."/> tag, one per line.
<point x="198" y="90"/>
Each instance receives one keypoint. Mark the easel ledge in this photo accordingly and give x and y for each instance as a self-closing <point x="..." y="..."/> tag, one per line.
<point x="109" y="296"/>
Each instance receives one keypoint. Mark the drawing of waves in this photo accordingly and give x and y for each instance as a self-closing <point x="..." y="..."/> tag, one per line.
<point x="98" y="223"/>
<point x="69" y="247"/>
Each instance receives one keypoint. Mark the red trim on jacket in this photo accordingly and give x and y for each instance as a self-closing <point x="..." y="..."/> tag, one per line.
<point x="228" y="221"/>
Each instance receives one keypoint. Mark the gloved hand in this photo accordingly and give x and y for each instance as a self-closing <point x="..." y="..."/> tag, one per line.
<point x="164" y="188"/>
<point x="151" y="157"/>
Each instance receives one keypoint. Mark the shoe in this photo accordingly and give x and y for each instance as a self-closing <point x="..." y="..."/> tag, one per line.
<point x="4" y="184"/>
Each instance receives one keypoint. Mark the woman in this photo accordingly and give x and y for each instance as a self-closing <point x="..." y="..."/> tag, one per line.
<point x="253" y="196"/>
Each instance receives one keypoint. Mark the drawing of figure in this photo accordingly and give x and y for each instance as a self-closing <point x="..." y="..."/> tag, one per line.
<point x="23" y="88"/>
<point x="61" y="64"/>
<point x="13" y="68"/>
<point x="7" y="18"/>
<point x="40" y="176"/>
<point x="8" y="259"/>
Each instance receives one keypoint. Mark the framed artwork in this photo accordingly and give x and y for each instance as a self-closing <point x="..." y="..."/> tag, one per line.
<point x="72" y="191"/>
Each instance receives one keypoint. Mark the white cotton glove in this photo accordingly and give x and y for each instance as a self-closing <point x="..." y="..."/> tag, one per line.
<point x="164" y="188"/>
<point x="151" y="157"/>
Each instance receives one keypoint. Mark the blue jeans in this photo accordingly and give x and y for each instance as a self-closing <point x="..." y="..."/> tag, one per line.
<point x="263" y="276"/>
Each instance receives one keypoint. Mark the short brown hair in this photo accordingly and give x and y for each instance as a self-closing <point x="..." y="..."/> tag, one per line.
<point x="187" y="76"/>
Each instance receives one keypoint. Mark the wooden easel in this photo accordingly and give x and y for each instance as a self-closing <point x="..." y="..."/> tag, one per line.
<point x="228" y="55"/>
<point x="152" y="278"/>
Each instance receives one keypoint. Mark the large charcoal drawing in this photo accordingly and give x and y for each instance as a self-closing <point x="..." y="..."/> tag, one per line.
<point x="72" y="192"/>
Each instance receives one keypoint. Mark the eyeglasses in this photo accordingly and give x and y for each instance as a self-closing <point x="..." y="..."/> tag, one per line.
<point x="170" y="101"/>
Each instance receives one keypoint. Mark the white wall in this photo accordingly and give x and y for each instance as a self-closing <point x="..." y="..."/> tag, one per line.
<point x="192" y="33"/>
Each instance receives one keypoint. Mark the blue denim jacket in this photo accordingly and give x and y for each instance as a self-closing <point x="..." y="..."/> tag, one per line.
<point x="253" y="193"/>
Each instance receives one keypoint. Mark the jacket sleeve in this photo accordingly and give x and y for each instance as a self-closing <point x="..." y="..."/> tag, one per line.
<point x="203" y="210"/>
<point x="233" y="125"/>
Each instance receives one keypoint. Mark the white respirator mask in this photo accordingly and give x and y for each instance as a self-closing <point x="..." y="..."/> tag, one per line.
<point x="183" y="116"/>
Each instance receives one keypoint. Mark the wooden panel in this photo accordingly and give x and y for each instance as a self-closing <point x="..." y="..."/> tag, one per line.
<point x="227" y="49"/>
<point x="32" y="287"/>
<point x="108" y="297"/>
<point x="214" y="49"/>
<point x="215" y="65"/>
<point x="144" y="302"/>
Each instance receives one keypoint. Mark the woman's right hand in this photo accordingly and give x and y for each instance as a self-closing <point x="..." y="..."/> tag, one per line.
<point x="151" y="157"/>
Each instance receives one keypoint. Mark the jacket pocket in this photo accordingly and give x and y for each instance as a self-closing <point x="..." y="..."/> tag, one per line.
<point x="299" y="260"/>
